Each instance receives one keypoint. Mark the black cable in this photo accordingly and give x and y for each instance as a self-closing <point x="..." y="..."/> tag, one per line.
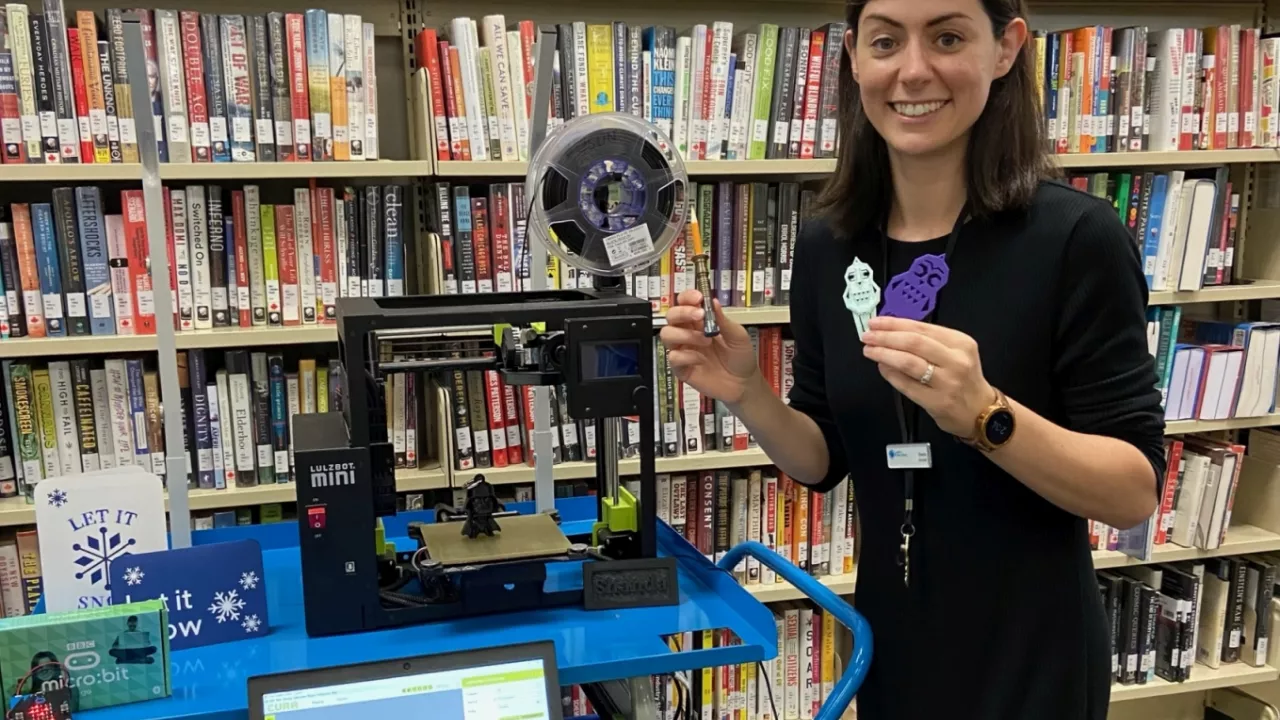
<point x="768" y="685"/>
<point x="683" y="699"/>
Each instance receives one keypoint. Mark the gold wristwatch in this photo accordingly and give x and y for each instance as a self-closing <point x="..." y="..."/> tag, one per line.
<point x="994" y="426"/>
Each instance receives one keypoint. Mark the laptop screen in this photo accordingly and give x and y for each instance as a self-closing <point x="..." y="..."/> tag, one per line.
<point x="502" y="691"/>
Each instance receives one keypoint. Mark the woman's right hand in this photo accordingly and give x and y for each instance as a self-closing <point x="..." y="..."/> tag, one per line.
<point x="721" y="367"/>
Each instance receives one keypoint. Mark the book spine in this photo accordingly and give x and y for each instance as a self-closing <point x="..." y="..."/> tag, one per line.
<point x="289" y="262"/>
<point x="198" y="237"/>
<point x="114" y="387"/>
<point x="13" y="149"/>
<point x="327" y="257"/>
<point x="243" y="437"/>
<point x="371" y="271"/>
<point x="235" y="65"/>
<point x="281" y="105"/>
<point x="193" y="72"/>
<point x="82" y="401"/>
<point x="80" y="93"/>
<point x="215" y="265"/>
<point x="64" y="417"/>
<point x="233" y="284"/>
<point x="303" y="255"/>
<point x="271" y="265"/>
<point x="20" y="42"/>
<point x="100" y="411"/>
<point x="215" y="88"/>
<point x="46" y="416"/>
<point x="45" y="102"/>
<point x="393" y="217"/>
<point x="244" y="306"/>
<point x="357" y="285"/>
<point x="370" y="78"/>
<point x="120" y="92"/>
<point x="260" y="75"/>
<point x="27" y="422"/>
<point x="121" y="294"/>
<point x="353" y="79"/>
<point x="257" y="276"/>
<point x="69" y="262"/>
<point x="336" y="77"/>
<point x="169" y="40"/>
<point x="29" y="270"/>
<point x="215" y="435"/>
<point x="46" y="255"/>
<point x="262" y="418"/>
<point x="317" y="39"/>
<point x="93" y="250"/>
<point x="279" y="419"/>
<point x="141" y="282"/>
<point x="138" y="412"/>
<point x="185" y="293"/>
<point x="10" y="271"/>
<point x="114" y="148"/>
<point x="299" y="100"/>
<point x="59" y="56"/>
<point x="87" y="91"/>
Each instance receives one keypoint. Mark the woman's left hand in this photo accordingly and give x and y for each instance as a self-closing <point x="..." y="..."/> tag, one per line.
<point x="956" y="391"/>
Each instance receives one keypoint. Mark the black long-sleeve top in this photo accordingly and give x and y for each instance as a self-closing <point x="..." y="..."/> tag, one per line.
<point x="1002" y="619"/>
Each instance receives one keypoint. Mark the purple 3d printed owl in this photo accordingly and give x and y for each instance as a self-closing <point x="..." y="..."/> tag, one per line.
<point x="913" y="294"/>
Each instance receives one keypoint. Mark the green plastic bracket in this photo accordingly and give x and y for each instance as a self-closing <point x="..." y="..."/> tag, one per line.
<point x="617" y="516"/>
<point x="497" y="330"/>
<point x="382" y="548"/>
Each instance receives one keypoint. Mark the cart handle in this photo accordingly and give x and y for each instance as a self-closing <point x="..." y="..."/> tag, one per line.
<point x="860" y="659"/>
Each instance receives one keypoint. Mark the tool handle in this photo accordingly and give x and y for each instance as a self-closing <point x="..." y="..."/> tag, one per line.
<point x="702" y="281"/>
<point x="859" y="660"/>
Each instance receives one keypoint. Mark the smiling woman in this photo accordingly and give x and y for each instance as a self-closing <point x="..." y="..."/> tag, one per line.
<point x="970" y="350"/>
<point x="930" y="79"/>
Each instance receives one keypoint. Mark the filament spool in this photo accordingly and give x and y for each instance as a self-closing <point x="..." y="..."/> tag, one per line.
<point x="607" y="194"/>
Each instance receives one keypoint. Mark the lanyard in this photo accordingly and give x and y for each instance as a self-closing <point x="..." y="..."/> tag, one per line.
<point x="909" y="414"/>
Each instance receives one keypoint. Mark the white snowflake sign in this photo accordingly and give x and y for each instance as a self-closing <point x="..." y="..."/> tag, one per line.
<point x="214" y="593"/>
<point x="90" y="522"/>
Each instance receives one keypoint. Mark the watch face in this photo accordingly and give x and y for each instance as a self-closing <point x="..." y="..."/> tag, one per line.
<point x="999" y="427"/>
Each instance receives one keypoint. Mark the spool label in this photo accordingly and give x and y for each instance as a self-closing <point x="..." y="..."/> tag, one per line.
<point x="628" y="245"/>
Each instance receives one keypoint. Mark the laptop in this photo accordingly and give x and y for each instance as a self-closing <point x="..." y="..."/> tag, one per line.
<point x="483" y="684"/>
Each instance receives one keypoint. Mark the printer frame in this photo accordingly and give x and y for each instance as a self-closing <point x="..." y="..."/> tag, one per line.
<point x="345" y="461"/>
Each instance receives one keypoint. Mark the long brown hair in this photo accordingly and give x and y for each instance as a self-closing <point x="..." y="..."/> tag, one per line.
<point x="1007" y="155"/>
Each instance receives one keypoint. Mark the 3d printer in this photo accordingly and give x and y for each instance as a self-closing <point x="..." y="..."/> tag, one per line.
<point x="608" y="198"/>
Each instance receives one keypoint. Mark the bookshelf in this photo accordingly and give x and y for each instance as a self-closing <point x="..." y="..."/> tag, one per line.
<point x="407" y="138"/>
<point x="259" y="337"/>
<point x="1204" y="678"/>
<point x="499" y="169"/>
<point x="1182" y="427"/>
<point x="250" y="172"/>
<point x="1254" y="290"/>
<point x="710" y="460"/>
<point x="1242" y="539"/>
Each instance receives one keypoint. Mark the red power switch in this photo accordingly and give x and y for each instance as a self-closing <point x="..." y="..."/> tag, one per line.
<point x="316" y="517"/>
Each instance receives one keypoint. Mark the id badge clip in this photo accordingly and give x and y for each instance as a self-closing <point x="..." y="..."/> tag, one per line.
<point x="909" y="456"/>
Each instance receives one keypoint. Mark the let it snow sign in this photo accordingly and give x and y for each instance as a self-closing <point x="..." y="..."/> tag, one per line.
<point x="214" y="593"/>
<point x="87" y="524"/>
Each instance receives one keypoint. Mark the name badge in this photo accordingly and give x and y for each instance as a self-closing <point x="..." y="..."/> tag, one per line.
<point x="912" y="456"/>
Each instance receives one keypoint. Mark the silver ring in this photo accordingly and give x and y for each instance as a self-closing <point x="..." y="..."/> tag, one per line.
<point x="928" y="375"/>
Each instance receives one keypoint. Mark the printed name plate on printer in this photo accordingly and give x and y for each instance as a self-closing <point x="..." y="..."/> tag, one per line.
<point x="488" y="684"/>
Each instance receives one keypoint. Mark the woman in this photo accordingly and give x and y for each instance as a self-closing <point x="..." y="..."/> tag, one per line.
<point x="1013" y="380"/>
